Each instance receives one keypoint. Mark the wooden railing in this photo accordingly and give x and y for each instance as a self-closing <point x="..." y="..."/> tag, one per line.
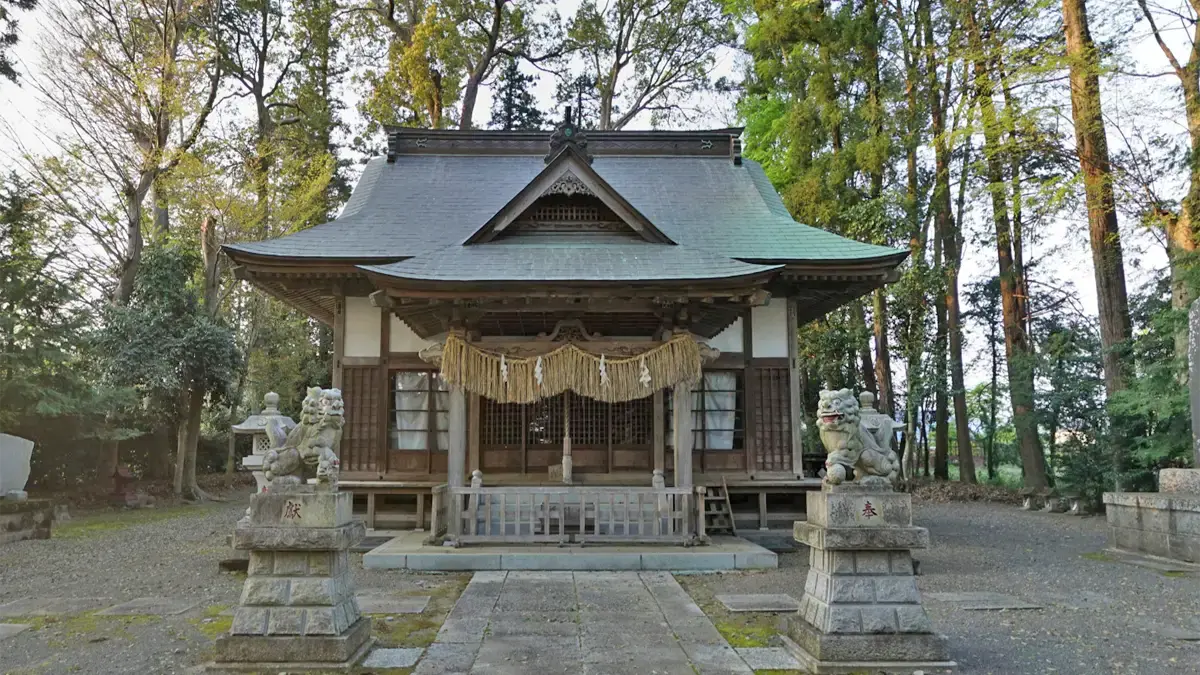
<point x="577" y="514"/>
<point x="439" y="516"/>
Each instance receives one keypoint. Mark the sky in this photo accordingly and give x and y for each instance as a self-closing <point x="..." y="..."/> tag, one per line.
<point x="1060" y="249"/>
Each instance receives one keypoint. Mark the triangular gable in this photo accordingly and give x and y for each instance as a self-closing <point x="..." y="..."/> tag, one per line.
<point x="569" y="173"/>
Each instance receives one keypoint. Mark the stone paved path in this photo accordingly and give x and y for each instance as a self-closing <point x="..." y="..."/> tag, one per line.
<point x="596" y="623"/>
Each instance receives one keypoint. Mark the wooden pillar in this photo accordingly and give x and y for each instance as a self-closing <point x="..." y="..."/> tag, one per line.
<point x="339" y="336"/>
<point x="797" y="413"/>
<point x="660" y="433"/>
<point x="456" y="458"/>
<point x="682" y="414"/>
<point x="475" y="411"/>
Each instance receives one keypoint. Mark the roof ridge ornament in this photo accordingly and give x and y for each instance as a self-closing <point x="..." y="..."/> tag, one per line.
<point x="568" y="135"/>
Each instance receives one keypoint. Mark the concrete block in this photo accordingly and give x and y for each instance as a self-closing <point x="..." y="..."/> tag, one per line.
<point x="768" y="658"/>
<point x="385" y="560"/>
<point x="878" y="619"/>
<point x="468" y="630"/>
<point x="769" y="602"/>
<point x="851" y="589"/>
<point x="1179" y="480"/>
<point x="285" y="621"/>
<point x="688" y="561"/>
<point x="756" y="560"/>
<point x="393" y="658"/>
<point x="313" y="592"/>
<point x="295" y="649"/>
<point x="443" y="658"/>
<point x="453" y="562"/>
<point x="897" y="589"/>
<point x="716" y="659"/>
<point x="265" y="591"/>
<point x="249" y="621"/>
<point x="291" y="563"/>
<point x="872" y="562"/>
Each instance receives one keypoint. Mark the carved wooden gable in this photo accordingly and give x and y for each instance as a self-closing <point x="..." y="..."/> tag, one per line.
<point x="568" y="196"/>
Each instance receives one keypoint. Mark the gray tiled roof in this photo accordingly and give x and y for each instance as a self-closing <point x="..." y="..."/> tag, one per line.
<point x="573" y="261"/>
<point x="424" y="203"/>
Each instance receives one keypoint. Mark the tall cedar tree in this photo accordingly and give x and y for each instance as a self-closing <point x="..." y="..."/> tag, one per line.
<point x="1017" y="349"/>
<point x="513" y="105"/>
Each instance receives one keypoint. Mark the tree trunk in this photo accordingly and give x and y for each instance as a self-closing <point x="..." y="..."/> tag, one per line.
<point x="1016" y="345"/>
<point x="863" y="340"/>
<point x="1181" y="236"/>
<point x="1092" y="146"/>
<point x="188" y="441"/>
<point x="941" y="416"/>
<point x="883" y="358"/>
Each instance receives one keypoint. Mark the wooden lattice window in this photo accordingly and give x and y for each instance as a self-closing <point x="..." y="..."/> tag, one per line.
<point x="770" y="407"/>
<point x="419" y="411"/>
<point x="569" y="212"/>
<point x="592" y="422"/>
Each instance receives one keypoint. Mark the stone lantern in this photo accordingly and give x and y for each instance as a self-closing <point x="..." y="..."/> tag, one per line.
<point x="256" y="427"/>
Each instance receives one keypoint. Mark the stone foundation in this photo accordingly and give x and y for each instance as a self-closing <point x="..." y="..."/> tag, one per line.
<point x="1165" y="523"/>
<point x="298" y="611"/>
<point x="861" y="609"/>
<point x="28" y="519"/>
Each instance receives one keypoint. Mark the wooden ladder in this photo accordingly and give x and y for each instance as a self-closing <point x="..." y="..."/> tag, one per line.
<point x="718" y="514"/>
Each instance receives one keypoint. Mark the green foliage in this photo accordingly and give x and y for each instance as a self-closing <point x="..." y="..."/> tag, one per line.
<point x="513" y="105"/>
<point x="1152" y="415"/>
<point x="165" y="341"/>
<point x="8" y="33"/>
<point x="48" y="387"/>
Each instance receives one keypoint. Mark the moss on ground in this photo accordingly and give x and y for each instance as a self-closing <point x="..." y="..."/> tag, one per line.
<point x="212" y="624"/>
<point x="66" y="630"/>
<point x="119" y="519"/>
<point x="419" y="630"/>
<point x="741" y="629"/>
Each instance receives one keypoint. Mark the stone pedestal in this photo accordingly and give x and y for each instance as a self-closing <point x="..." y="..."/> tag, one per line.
<point x="25" y="519"/>
<point x="1164" y="523"/>
<point x="861" y="609"/>
<point x="298" y="611"/>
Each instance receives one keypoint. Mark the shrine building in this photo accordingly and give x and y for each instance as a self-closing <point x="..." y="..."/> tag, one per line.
<point x="572" y="321"/>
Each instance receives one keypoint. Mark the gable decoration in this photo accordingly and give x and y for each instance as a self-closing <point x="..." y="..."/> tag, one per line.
<point x="511" y="379"/>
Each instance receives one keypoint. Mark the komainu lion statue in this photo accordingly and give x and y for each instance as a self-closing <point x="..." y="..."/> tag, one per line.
<point x="850" y="445"/>
<point x="309" y="451"/>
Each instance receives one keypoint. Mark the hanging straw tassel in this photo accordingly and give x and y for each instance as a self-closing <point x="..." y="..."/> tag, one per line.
<point x="568" y="367"/>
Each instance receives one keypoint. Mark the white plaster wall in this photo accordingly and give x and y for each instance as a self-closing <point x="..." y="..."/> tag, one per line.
<point x="362" y="327"/>
<point x="729" y="341"/>
<point x="769" y="329"/>
<point x="402" y="339"/>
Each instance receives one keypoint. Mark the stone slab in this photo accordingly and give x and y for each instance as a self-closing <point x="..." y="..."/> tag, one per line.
<point x="552" y="624"/>
<point x="286" y="538"/>
<point x="468" y="630"/>
<point x="1079" y="600"/>
<point x="983" y="600"/>
<point x="810" y="663"/>
<point x="860" y="538"/>
<point x="8" y="630"/>
<point x="892" y="647"/>
<point x="857" y="506"/>
<point x="522" y="656"/>
<point x="393" y="658"/>
<point x="150" y="607"/>
<point x="719" y="659"/>
<point x="768" y="658"/>
<point x="50" y="606"/>
<point x="1179" y="481"/>
<point x="242" y="649"/>
<point x="768" y="602"/>
<point x="464" y="562"/>
<point x="1153" y="562"/>
<point x="303" y="509"/>
<point x="375" y="603"/>
<point x="681" y="561"/>
<point x="447" y="659"/>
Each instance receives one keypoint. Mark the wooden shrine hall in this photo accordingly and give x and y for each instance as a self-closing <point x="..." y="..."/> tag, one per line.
<point x="544" y="335"/>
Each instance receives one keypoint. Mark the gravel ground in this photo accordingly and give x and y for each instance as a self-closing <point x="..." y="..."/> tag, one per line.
<point x="1100" y="615"/>
<point x="168" y="552"/>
